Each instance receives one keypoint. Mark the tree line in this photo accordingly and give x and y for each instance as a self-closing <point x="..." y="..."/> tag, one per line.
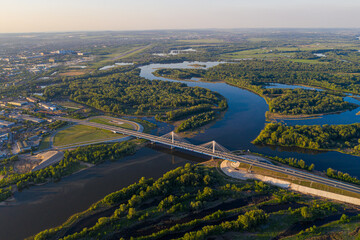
<point x="300" y="101"/>
<point x="127" y="93"/>
<point x="187" y="189"/>
<point x="178" y="73"/>
<point x="69" y="164"/>
<point x="342" y="176"/>
<point x="255" y="75"/>
<point x="196" y="121"/>
<point x="314" y="137"/>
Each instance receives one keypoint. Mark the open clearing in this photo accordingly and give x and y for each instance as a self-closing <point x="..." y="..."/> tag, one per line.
<point x="79" y="133"/>
<point x="209" y="40"/>
<point x="260" y="54"/>
<point x="72" y="73"/>
<point x="116" y="123"/>
<point x="45" y="143"/>
<point x="69" y="104"/>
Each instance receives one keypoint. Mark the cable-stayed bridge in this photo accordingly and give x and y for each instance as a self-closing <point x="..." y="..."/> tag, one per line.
<point x="215" y="150"/>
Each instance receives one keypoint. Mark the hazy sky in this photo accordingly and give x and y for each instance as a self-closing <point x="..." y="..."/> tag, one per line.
<point x="74" y="15"/>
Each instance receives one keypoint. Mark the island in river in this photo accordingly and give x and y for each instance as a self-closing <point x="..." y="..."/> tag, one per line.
<point x="344" y="138"/>
<point x="244" y="119"/>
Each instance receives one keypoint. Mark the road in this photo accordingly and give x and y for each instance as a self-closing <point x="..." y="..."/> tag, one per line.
<point x="222" y="155"/>
<point x="129" y="52"/>
<point x="137" y="127"/>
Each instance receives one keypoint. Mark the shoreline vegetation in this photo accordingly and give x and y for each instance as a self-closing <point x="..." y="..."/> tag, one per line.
<point x="74" y="161"/>
<point x="301" y="164"/>
<point x="341" y="138"/>
<point x="276" y="116"/>
<point x="200" y="202"/>
<point x="129" y="94"/>
<point x="283" y="103"/>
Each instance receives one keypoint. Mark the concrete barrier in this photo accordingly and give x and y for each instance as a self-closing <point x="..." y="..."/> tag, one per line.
<point x="230" y="171"/>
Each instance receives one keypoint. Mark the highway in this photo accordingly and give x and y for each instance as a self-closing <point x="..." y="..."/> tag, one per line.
<point x="222" y="155"/>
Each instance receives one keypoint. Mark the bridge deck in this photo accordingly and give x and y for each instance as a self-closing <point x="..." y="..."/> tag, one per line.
<point x="222" y="155"/>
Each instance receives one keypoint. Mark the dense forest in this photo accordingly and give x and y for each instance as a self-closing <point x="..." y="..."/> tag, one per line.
<point x="127" y="93"/>
<point x="343" y="137"/>
<point x="336" y="75"/>
<point x="196" y="202"/>
<point x="179" y="73"/>
<point x="247" y="74"/>
<point x="300" y="101"/>
<point x="196" y="121"/>
<point x="184" y="112"/>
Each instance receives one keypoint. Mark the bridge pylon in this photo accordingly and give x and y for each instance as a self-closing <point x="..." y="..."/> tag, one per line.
<point x="174" y="138"/>
<point x="214" y="147"/>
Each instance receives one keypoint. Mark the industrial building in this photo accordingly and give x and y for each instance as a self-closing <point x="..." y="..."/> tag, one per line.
<point x="23" y="146"/>
<point x="48" y="106"/>
<point x="32" y="119"/>
<point x="18" y="103"/>
<point x="33" y="100"/>
<point x="6" y="124"/>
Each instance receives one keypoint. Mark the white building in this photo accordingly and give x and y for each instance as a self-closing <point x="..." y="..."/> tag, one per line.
<point x="48" y="106"/>
<point x="32" y="119"/>
<point x="18" y="103"/>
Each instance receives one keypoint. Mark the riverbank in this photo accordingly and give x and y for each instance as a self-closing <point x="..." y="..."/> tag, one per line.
<point x="275" y="116"/>
<point x="74" y="161"/>
<point x="246" y="118"/>
<point x="216" y="202"/>
<point x="340" y="138"/>
<point x="235" y="171"/>
<point x="170" y="73"/>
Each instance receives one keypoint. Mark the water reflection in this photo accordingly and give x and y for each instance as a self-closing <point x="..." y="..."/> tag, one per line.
<point x="42" y="207"/>
<point x="46" y="206"/>
<point x="245" y="118"/>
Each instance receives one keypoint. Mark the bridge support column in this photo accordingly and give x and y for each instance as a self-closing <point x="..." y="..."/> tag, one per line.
<point x="213" y="149"/>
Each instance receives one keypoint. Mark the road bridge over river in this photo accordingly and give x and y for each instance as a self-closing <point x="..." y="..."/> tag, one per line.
<point x="215" y="150"/>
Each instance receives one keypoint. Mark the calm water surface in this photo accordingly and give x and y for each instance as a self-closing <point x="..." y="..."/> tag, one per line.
<point x="49" y="205"/>
<point x="245" y="118"/>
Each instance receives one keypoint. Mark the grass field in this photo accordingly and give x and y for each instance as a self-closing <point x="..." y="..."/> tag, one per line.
<point x="260" y="54"/>
<point x="108" y="122"/>
<point x="119" y="53"/>
<point x="132" y="53"/>
<point x="45" y="143"/>
<point x="72" y="73"/>
<point x="69" y="105"/>
<point x="80" y="133"/>
<point x="209" y="40"/>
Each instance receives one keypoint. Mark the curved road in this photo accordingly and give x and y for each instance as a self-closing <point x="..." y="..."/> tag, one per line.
<point x="137" y="127"/>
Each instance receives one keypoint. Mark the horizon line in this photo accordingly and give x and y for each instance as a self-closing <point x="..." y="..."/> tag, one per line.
<point x="192" y="29"/>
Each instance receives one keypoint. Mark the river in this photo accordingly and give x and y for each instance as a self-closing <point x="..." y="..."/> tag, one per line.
<point x="245" y="118"/>
<point x="42" y="207"/>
